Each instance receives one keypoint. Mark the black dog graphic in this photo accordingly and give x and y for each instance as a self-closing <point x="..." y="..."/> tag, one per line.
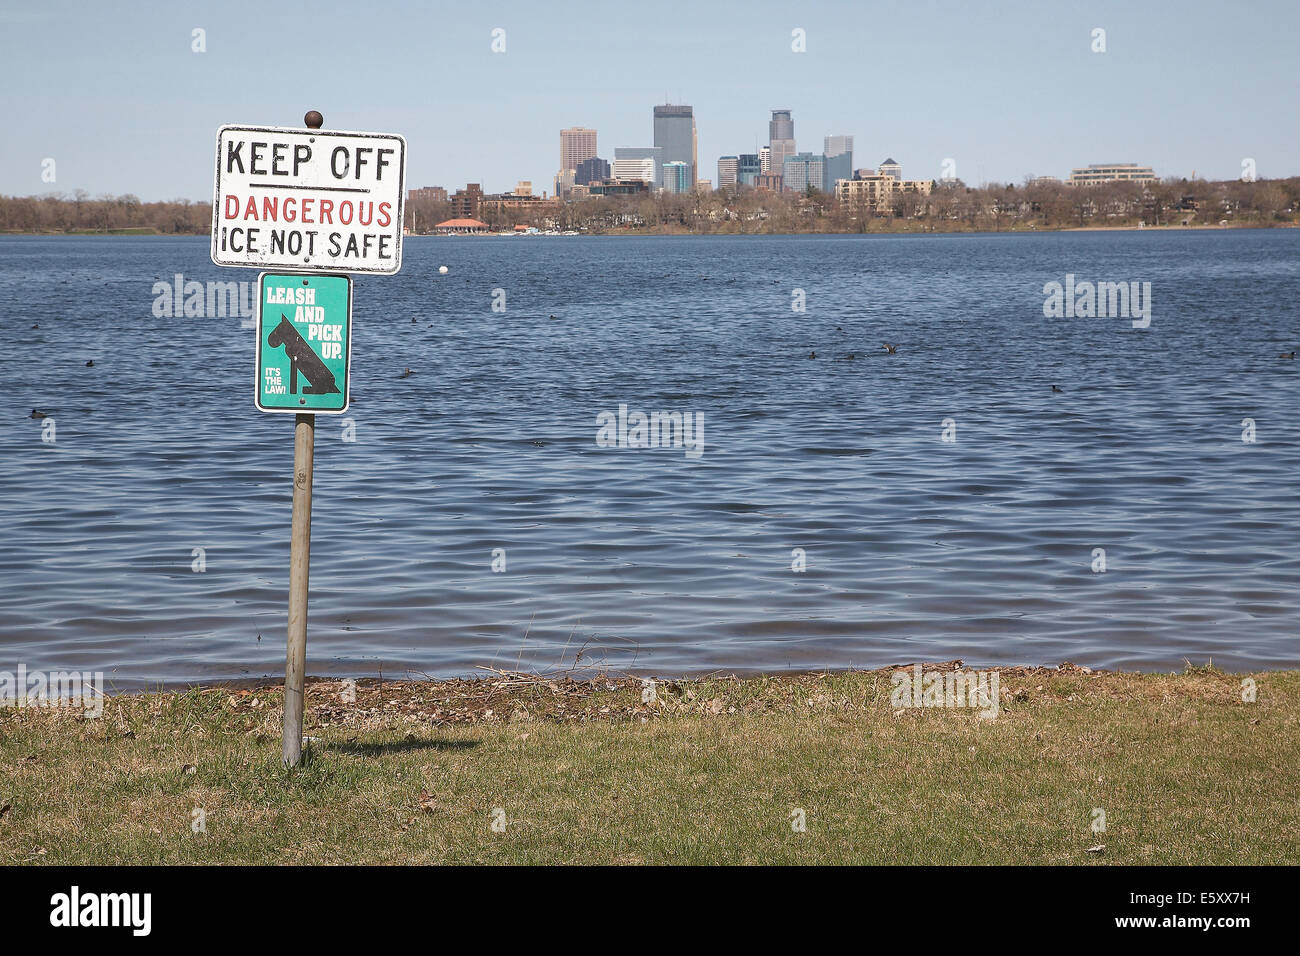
<point x="301" y="359"/>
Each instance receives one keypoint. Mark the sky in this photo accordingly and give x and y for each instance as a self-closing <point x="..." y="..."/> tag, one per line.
<point x="116" y="96"/>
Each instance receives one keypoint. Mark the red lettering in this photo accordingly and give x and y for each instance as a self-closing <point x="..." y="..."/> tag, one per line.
<point x="306" y="211"/>
<point x="365" y="213"/>
<point x="269" y="204"/>
<point x="385" y="214"/>
<point x="327" y="212"/>
<point x="345" y="205"/>
<point x="250" y="210"/>
<point x="232" y="207"/>
<point x="290" y="214"/>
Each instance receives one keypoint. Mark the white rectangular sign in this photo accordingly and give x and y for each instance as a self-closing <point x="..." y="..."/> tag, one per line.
<point x="309" y="200"/>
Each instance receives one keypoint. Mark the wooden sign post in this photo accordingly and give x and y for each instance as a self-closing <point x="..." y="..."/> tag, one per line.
<point x="295" y="661"/>
<point x="314" y="202"/>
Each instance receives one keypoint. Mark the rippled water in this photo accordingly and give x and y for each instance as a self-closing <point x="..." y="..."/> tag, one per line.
<point x="646" y="559"/>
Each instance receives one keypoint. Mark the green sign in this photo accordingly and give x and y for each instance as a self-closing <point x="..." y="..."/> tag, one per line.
<point x="304" y="342"/>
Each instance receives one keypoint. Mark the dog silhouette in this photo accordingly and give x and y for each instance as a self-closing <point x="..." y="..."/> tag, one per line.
<point x="302" y="358"/>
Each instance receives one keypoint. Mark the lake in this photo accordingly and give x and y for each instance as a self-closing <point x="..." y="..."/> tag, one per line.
<point x="830" y="512"/>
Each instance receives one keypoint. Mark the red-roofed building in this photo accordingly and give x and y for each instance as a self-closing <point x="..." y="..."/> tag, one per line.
<point x="461" y="226"/>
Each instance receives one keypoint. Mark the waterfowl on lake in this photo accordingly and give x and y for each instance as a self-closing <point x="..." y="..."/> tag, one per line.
<point x="1287" y="355"/>
<point x="407" y="373"/>
<point x="36" y="414"/>
<point x="891" y="349"/>
<point x="812" y="354"/>
<point x="90" y="364"/>
<point x="1057" y="388"/>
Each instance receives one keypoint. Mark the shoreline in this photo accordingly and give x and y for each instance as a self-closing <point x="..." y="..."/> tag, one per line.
<point x="594" y="684"/>
<point x="585" y="674"/>
<point x="635" y="234"/>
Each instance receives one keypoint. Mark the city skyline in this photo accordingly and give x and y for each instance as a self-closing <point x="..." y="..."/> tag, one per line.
<point x="1013" y="93"/>
<point x="583" y="173"/>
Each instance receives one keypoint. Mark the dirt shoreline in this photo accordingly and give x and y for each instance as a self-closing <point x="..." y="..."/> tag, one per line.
<point x="501" y="696"/>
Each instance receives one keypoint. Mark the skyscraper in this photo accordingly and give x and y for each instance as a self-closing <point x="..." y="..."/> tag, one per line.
<point x="803" y="170"/>
<point x="765" y="159"/>
<point x="891" y="168"/>
<point x="576" y="144"/>
<point x="780" y="135"/>
<point x="677" y="177"/>
<point x="728" y="171"/>
<point x="643" y="152"/>
<point x="781" y="126"/>
<point x="675" y="135"/>
<point x="591" y="171"/>
<point x="749" y="169"/>
<point x="564" y="181"/>
<point x="838" y="151"/>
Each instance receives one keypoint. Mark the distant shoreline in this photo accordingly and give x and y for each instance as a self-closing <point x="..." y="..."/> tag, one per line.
<point x="643" y="233"/>
<point x="1203" y="227"/>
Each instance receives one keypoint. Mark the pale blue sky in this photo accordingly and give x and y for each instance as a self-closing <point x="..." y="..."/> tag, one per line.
<point x="112" y="92"/>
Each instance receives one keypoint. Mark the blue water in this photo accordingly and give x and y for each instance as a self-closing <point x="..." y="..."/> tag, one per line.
<point x="648" y="560"/>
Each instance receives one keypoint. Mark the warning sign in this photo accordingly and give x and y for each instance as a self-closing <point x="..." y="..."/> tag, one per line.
<point x="304" y="343"/>
<point x="308" y="200"/>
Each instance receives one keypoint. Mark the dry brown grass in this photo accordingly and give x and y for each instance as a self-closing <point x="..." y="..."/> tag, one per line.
<point x="708" y="772"/>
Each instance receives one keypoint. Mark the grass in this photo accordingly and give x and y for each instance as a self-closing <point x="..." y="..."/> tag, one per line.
<point x="709" y="772"/>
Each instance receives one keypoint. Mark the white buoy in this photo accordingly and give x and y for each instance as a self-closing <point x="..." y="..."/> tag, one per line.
<point x="442" y="270"/>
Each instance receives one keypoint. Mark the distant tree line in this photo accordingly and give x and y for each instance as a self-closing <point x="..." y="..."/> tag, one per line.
<point x="951" y="207"/>
<point x="79" y="212"/>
